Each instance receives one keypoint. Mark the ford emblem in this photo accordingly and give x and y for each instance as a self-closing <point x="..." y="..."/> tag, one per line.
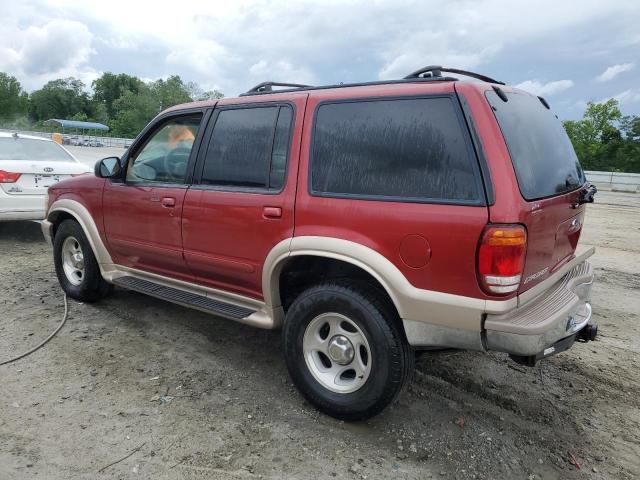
<point x="48" y="169"/>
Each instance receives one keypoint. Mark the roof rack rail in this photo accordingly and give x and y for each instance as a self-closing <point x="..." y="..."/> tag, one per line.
<point x="268" y="87"/>
<point x="435" y="71"/>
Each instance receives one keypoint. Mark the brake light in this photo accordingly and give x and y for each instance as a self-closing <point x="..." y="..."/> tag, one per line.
<point x="501" y="258"/>
<point x="8" y="177"/>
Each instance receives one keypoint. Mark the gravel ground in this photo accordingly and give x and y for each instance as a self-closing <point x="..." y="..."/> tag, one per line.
<point x="188" y="395"/>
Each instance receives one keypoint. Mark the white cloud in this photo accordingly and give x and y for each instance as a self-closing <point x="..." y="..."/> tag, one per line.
<point x="542" y="89"/>
<point x="613" y="71"/>
<point x="232" y="45"/>
<point x="624" y="98"/>
<point x="38" y="53"/>
<point x="281" y="70"/>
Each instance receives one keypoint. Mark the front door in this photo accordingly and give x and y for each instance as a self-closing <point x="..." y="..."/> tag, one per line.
<point x="143" y="212"/>
<point x="242" y="202"/>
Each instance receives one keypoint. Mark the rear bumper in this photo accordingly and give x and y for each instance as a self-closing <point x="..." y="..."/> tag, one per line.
<point x="8" y="215"/>
<point x="22" y="207"/>
<point x="557" y="313"/>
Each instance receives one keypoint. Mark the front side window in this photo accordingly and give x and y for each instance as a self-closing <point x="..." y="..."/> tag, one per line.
<point x="413" y="149"/>
<point x="165" y="155"/>
<point x="249" y="148"/>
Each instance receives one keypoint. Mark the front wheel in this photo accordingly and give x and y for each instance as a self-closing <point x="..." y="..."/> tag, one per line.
<point x="76" y="266"/>
<point x="345" y="351"/>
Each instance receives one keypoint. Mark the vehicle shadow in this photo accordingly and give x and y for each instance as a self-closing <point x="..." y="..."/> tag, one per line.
<point x="21" y="231"/>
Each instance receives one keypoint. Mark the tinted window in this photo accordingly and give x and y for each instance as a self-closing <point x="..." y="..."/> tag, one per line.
<point x="165" y="155"/>
<point x="541" y="152"/>
<point x="405" y="149"/>
<point x="248" y="148"/>
<point x="32" y="150"/>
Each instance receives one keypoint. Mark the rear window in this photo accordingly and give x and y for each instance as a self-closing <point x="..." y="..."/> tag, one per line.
<point x="32" y="150"/>
<point x="402" y="149"/>
<point x="541" y="152"/>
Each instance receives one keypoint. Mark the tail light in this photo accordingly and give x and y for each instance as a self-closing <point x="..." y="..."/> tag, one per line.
<point x="501" y="258"/>
<point x="8" y="177"/>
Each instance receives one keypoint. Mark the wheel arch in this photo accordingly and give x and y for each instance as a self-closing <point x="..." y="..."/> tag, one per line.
<point x="67" y="209"/>
<point x="372" y="264"/>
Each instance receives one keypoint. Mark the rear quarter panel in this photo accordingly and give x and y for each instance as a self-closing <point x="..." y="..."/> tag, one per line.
<point x="539" y="216"/>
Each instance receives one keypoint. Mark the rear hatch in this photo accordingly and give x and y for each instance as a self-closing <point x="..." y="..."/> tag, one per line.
<point x="550" y="180"/>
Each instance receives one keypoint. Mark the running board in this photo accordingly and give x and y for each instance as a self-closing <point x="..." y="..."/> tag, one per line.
<point x="188" y="299"/>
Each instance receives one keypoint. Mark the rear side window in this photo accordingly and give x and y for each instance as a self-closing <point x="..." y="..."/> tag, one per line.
<point x="541" y="152"/>
<point x="249" y="148"/>
<point x="400" y="149"/>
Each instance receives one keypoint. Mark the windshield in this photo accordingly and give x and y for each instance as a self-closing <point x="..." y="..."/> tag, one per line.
<point x="32" y="150"/>
<point x="541" y="152"/>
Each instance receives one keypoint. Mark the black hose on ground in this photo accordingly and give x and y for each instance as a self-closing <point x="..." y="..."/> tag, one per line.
<point x="43" y="343"/>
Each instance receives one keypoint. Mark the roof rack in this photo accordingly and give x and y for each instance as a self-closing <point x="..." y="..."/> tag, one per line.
<point x="265" y="87"/>
<point x="432" y="73"/>
<point x="435" y="71"/>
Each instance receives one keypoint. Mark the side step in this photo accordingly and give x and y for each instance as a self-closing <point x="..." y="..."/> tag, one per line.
<point x="199" y="302"/>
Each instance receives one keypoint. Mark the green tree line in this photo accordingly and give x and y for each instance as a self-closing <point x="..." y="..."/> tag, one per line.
<point x="606" y="140"/>
<point x="123" y="102"/>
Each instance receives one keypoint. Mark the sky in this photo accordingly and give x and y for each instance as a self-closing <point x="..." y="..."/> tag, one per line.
<point x="570" y="51"/>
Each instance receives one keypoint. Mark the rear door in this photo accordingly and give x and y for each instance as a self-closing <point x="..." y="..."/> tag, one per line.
<point x="143" y="212"/>
<point x="549" y="178"/>
<point x="242" y="202"/>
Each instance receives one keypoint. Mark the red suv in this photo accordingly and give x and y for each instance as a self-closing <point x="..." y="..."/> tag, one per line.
<point x="365" y="220"/>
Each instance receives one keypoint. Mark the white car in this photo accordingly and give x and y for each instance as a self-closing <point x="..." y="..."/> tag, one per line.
<point x="28" y="167"/>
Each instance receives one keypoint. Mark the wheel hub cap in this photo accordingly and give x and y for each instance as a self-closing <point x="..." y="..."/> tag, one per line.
<point x="337" y="353"/>
<point x="73" y="260"/>
<point x="341" y="350"/>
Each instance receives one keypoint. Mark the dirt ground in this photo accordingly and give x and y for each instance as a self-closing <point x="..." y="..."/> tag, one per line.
<point x="194" y="396"/>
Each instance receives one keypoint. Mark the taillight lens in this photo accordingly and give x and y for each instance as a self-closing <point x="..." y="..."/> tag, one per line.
<point x="8" y="177"/>
<point x="501" y="258"/>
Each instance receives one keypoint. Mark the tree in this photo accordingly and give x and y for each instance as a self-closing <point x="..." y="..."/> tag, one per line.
<point x="170" y="92"/>
<point x="596" y="138"/>
<point x="61" y="98"/>
<point x="110" y="87"/>
<point x="197" y="94"/>
<point x="13" y="100"/>
<point x="134" y="111"/>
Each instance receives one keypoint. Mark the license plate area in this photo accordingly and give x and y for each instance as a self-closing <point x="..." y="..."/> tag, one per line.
<point x="45" y="181"/>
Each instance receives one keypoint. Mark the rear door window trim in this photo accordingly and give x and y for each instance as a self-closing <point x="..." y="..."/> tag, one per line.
<point x="202" y="154"/>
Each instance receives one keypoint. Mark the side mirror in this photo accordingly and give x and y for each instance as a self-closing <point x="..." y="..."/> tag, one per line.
<point x="108" y="168"/>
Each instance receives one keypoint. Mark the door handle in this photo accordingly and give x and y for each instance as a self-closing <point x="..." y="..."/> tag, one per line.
<point x="168" y="202"/>
<point x="272" y="212"/>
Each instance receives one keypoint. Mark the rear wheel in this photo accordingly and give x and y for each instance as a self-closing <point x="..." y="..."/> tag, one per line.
<point x="345" y="351"/>
<point x="76" y="266"/>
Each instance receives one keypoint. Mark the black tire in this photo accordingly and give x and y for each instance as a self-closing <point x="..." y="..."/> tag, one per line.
<point x="91" y="287"/>
<point x="391" y="357"/>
